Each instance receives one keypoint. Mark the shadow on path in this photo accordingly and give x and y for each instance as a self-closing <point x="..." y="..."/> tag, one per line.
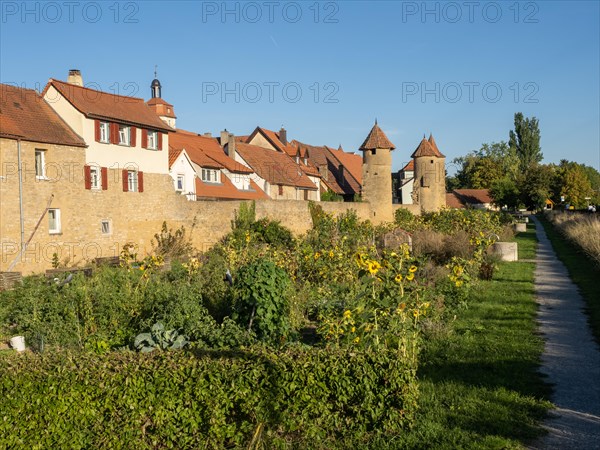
<point x="571" y="358"/>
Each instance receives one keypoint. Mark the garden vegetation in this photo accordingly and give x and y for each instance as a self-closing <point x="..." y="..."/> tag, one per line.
<point x="264" y="341"/>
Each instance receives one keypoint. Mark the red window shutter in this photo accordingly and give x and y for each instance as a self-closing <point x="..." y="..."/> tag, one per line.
<point x="159" y="140"/>
<point x="87" y="176"/>
<point x="133" y="132"/>
<point x="140" y="181"/>
<point x="114" y="133"/>
<point x="144" y="138"/>
<point x="125" y="184"/>
<point x="104" y="174"/>
<point x="97" y="129"/>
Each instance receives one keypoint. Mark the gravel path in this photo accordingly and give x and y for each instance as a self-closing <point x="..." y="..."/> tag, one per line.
<point x="571" y="358"/>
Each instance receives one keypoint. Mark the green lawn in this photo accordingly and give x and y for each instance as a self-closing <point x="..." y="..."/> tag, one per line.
<point x="582" y="270"/>
<point x="479" y="383"/>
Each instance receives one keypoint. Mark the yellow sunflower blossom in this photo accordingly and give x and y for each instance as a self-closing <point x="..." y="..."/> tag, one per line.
<point x="412" y="269"/>
<point x="374" y="267"/>
<point x="410" y="276"/>
<point x="398" y="278"/>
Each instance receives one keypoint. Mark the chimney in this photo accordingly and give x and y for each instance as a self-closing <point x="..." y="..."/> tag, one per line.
<point x="231" y="146"/>
<point x="283" y="136"/>
<point x="224" y="137"/>
<point x="75" y="77"/>
<point x="208" y="135"/>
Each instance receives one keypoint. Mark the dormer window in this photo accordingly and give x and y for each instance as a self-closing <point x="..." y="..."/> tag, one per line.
<point x="211" y="176"/>
<point x="104" y="132"/>
<point x="124" y="135"/>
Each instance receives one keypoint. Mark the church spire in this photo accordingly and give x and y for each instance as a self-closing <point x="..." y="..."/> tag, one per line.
<point x="155" y="87"/>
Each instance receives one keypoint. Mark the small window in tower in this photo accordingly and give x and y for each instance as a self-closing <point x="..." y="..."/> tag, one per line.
<point x="374" y="152"/>
<point x="432" y="161"/>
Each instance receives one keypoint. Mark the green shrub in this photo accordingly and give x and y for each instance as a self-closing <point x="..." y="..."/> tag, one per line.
<point x="261" y="300"/>
<point x="304" y="398"/>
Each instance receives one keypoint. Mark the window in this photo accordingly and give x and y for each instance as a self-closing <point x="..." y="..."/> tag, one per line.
<point x="280" y="189"/>
<point x="305" y="194"/>
<point x="152" y="140"/>
<point x="54" y="221"/>
<point x="124" y="135"/>
<point x="211" y="176"/>
<point x="104" y="132"/>
<point x="132" y="181"/>
<point x="180" y="183"/>
<point x="40" y="164"/>
<point x="95" y="180"/>
<point x="105" y="227"/>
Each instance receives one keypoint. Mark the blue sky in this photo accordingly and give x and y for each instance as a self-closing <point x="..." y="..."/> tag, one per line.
<point x="326" y="70"/>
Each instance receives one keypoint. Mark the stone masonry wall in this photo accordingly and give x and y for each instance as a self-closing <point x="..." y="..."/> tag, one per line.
<point x="134" y="217"/>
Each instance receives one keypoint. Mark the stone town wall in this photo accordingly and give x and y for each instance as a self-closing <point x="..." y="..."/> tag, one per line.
<point x="134" y="217"/>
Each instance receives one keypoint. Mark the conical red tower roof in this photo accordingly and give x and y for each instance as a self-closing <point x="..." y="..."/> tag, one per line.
<point x="435" y="147"/>
<point x="376" y="139"/>
<point x="424" y="149"/>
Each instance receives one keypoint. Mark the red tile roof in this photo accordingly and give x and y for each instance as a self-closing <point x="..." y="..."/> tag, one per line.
<point x="376" y="139"/>
<point x="424" y="149"/>
<point x="410" y="167"/>
<point x="351" y="161"/>
<point x="435" y="147"/>
<point x="101" y="105"/>
<point x="205" y="151"/>
<point x="329" y="162"/>
<point x="161" y="107"/>
<point x="275" y="167"/>
<point x="227" y="190"/>
<point x="453" y="201"/>
<point x="271" y="136"/>
<point x="25" y="114"/>
<point x="173" y="155"/>
<point x="474" y="196"/>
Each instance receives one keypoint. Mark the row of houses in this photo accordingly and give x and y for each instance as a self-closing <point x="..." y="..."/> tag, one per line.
<point x="142" y="137"/>
<point x="102" y="169"/>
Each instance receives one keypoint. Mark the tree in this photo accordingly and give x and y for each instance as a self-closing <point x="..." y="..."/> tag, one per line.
<point x="480" y="169"/>
<point x="536" y="186"/>
<point x="525" y="140"/>
<point x="576" y="187"/>
<point x="506" y="193"/>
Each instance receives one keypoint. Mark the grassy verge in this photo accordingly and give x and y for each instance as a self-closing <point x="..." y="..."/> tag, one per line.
<point x="582" y="270"/>
<point x="479" y="383"/>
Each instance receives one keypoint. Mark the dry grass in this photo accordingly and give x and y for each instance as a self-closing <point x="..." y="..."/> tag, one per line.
<point x="441" y="247"/>
<point x="581" y="229"/>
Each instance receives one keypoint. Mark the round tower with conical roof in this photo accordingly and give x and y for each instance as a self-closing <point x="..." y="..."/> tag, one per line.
<point x="377" y="174"/>
<point x="429" y="188"/>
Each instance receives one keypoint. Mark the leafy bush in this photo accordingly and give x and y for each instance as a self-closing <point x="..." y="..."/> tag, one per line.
<point x="304" y="398"/>
<point x="159" y="338"/>
<point x="261" y="300"/>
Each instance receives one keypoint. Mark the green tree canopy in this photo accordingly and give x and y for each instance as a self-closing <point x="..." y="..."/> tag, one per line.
<point x="481" y="168"/>
<point x="525" y="140"/>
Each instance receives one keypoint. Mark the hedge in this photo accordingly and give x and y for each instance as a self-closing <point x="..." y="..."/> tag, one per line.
<point x="182" y="399"/>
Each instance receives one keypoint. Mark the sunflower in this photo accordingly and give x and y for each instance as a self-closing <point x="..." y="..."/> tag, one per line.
<point x="410" y="276"/>
<point x="374" y="267"/>
<point x="412" y="269"/>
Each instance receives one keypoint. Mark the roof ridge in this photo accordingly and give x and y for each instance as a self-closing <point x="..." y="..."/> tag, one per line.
<point x="95" y="90"/>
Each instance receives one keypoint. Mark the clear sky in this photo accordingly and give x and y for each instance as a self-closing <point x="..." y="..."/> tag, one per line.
<point x="326" y="70"/>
